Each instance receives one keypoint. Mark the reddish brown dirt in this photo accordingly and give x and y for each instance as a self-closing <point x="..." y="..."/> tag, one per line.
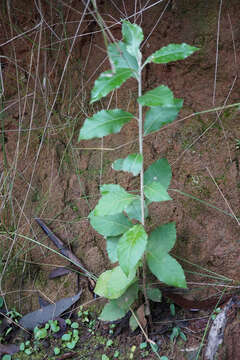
<point x="53" y="179"/>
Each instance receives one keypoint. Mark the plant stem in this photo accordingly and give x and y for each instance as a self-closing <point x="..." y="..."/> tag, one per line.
<point x="140" y="140"/>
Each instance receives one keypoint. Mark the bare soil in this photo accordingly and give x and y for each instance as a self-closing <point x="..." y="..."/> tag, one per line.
<point x="49" y="174"/>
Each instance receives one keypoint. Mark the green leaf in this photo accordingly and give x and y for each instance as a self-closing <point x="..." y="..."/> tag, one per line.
<point x="28" y="351"/>
<point x="107" y="188"/>
<point x="120" y="57"/>
<point x="56" y="351"/>
<point x="40" y="333"/>
<point x="160" y="96"/>
<point x="162" y="239"/>
<point x="156" y="180"/>
<point x="111" y="225"/>
<point x="105" y="357"/>
<point x="158" y="116"/>
<point x="112" y="312"/>
<point x="156" y="192"/>
<point x="134" y="210"/>
<point x="109" y="81"/>
<point x="129" y="296"/>
<point x="154" y="294"/>
<point x="161" y="264"/>
<point x="109" y="343"/>
<point x="131" y="247"/>
<point x="103" y="123"/>
<point x="112" y="243"/>
<point x="133" y="323"/>
<point x="154" y="347"/>
<point x="132" y="37"/>
<point x="66" y="337"/>
<point x="171" y="52"/>
<point x="183" y="336"/>
<point x="6" y="357"/>
<point x="71" y="345"/>
<point x="132" y="163"/>
<point x="116" y="309"/>
<point x="113" y="283"/>
<point x="175" y="333"/>
<point x="113" y="202"/>
<point x="75" y="325"/>
<point x="166" y="269"/>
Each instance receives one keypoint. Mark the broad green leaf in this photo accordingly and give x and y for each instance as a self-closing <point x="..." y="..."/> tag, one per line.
<point x="112" y="243"/>
<point x="156" y="192"/>
<point x="113" y="202"/>
<point x="158" y="116"/>
<point x="128" y="297"/>
<point x="133" y="210"/>
<point x="131" y="247"/>
<point x="156" y="180"/>
<point x="103" y="123"/>
<point x="120" y="57"/>
<point x="154" y="294"/>
<point x="171" y="52"/>
<point x="108" y="188"/>
<point x="111" y="225"/>
<point x="160" y="96"/>
<point x="113" y="283"/>
<point x="109" y="81"/>
<point x="132" y="37"/>
<point x="162" y="239"/>
<point x="112" y="312"/>
<point x="166" y="269"/>
<point x="159" y="171"/>
<point x="132" y="163"/>
<point x="117" y="308"/>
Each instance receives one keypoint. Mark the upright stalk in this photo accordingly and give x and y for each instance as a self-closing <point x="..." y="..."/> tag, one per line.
<point x="140" y="140"/>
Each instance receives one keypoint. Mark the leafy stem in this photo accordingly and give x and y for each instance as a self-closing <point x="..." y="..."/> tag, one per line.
<point x="120" y="215"/>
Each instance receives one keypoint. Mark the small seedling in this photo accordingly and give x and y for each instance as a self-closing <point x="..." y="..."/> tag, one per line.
<point x="120" y="215"/>
<point x="70" y="339"/>
<point x="176" y="332"/>
<point x="111" y="328"/>
<point x="13" y="315"/>
<point x="68" y="322"/>
<point x="237" y="144"/>
<point x="75" y="325"/>
<point x="91" y="325"/>
<point x="132" y="350"/>
<point x="54" y="326"/>
<point x="26" y="347"/>
<point x="109" y="343"/>
<point x="143" y="345"/>
<point x="56" y="351"/>
<point x="105" y="357"/>
<point x="215" y="313"/>
<point x="116" y="354"/>
<point x="83" y="315"/>
<point x="42" y="333"/>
